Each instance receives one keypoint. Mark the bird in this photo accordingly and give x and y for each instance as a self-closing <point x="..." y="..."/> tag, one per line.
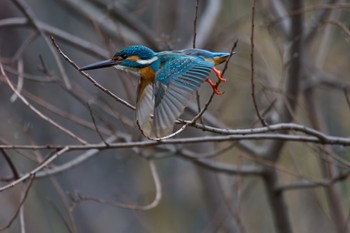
<point x="168" y="79"/>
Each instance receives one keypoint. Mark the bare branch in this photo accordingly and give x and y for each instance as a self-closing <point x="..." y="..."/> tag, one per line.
<point x="20" y="206"/>
<point x="340" y="25"/>
<point x="74" y="162"/>
<point x="22" y="6"/>
<point x="303" y="184"/>
<point x="68" y="38"/>
<point x="206" y="23"/>
<point x="329" y="140"/>
<point x="90" y="78"/>
<point x="35" y="170"/>
<point x="41" y="115"/>
<point x="12" y="166"/>
<point x="158" y="196"/>
<point x="96" y="127"/>
<point x="195" y="25"/>
<point x="249" y="170"/>
<point x="20" y="80"/>
<point x="262" y="121"/>
<point x="97" y="12"/>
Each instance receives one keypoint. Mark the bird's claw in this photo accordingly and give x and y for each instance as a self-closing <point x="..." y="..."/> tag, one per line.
<point x="218" y="74"/>
<point x="214" y="87"/>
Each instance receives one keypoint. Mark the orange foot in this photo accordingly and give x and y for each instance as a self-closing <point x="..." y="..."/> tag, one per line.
<point x="218" y="74"/>
<point x="213" y="86"/>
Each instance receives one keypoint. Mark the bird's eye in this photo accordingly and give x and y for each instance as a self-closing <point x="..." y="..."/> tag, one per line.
<point x="120" y="57"/>
<point x="123" y="56"/>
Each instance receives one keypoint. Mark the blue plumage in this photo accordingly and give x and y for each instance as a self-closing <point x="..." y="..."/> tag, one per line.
<point x="136" y="50"/>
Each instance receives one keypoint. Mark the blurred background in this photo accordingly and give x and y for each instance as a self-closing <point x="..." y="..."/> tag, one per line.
<point x="301" y="74"/>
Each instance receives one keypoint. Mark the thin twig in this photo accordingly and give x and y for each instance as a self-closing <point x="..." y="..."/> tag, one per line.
<point x="35" y="170"/>
<point x="21" y="203"/>
<point x="194" y="46"/>
<point x="195" y="25"/>
<point x="321" y="15"/>
<point x="286" y="16"/>
<point x="10" y="163"/>
<point x="41" y="115"/>
<point x="94" y="122"/>
<point x="20" y="80"/>
<point x="115" y="11"/>
<point x="90" y="78"/>
<point x="340" y="25"/>
<point x="303" y="184"/>
<point x="346" y="94"/>
<point x="23" y="47"/>
<point x="206" y="23"/>
<point x="65" y="115"/>
<point x="21" y="219"/>
<point x="64" y="36"/>
<point x="252" y="81"/>
<point x="158" y="195"/>
<point x="249" y="170"/>
<point x="71" y="224"/>
<point x="78" y="160"/>
<point x="61" y="215"/>
<point x="25" y="9"/>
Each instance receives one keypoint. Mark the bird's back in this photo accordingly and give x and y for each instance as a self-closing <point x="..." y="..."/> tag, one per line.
<point x="214" y="57"/>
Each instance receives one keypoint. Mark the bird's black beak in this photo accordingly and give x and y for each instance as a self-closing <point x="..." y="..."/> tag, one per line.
<point x="100" y="64"/>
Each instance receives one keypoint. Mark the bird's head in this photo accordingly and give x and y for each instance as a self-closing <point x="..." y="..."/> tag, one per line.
<point x="132" y="58"/>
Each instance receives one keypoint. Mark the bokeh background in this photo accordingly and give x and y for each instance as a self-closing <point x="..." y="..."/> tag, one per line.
<point x="301" y="74"/>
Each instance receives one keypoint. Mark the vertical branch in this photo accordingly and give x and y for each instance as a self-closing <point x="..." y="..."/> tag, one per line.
<point x="295" y="62"/>
<point x="347" y="98"/>
<point x="277" y="203"/>
<point x="207" y="21"/>
<point x="285" y="109"/>
<point x="263" y="122"/>
<point x="10" y="164"/>
<point x="194" y="46"/>
<point x="195" y="25"/>
<point x="318" y="121"/>
<point x="21" y="219"/>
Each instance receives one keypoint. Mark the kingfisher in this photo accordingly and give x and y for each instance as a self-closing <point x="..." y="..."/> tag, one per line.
<point x="168" y="79"/>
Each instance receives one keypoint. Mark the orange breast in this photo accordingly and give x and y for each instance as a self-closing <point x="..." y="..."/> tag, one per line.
<point x="147" y="74"/>
<point x="147" y="77"/>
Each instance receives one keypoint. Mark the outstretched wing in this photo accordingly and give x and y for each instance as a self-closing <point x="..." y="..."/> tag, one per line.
<point x="174" y="86"/>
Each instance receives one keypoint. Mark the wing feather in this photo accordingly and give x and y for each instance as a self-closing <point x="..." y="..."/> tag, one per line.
<point x="174" y="86"/>
<point x="144" y="108"/>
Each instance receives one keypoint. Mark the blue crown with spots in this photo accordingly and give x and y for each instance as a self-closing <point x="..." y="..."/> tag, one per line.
<point x="136" y="50"/>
